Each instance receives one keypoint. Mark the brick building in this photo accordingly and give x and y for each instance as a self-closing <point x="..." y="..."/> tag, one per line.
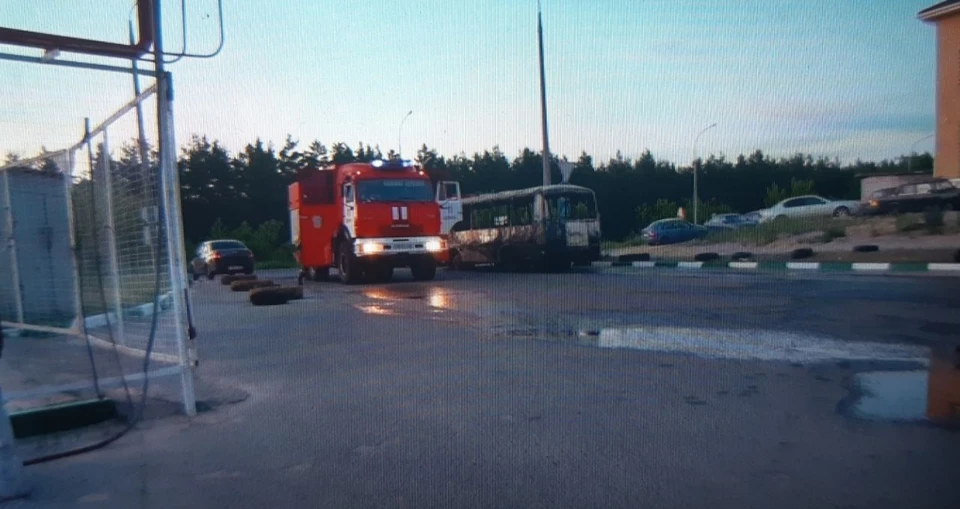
<point x="946" y="17"/>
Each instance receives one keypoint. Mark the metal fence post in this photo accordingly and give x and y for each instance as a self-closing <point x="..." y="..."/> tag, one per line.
<point x="74" y="252"/>
<point x="12" y="481"/>
<point x="111" y="241"/>
<point x="12" y="248"/>
<point x="173" y="222"/>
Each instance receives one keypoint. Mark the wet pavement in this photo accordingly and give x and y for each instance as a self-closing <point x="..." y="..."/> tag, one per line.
<point x="597" y="388"/>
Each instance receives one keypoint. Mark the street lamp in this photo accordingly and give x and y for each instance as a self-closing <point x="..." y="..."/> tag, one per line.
<point x="400" y="130"/>
<point x="914" y="151"/>
<point x="696" y="198"/>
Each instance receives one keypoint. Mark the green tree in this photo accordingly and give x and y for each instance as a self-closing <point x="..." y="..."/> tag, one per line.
<point x="661" y="209"/>
<point x="618" y="165"/>
<point x="776" y="194"/>
<point x="432" y="163"/>
<point x="341" y="153"/>
<point x="289" y="160"/>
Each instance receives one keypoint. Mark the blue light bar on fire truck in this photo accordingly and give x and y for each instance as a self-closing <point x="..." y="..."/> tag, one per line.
<point x="392" y="164"/>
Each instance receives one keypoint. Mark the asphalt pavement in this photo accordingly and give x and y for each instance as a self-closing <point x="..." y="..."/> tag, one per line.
<point x="596" y="388"/>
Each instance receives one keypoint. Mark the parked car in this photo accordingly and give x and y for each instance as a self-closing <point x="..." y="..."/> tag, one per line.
<point x="917" y="197"/>
<point x="672" y="231"/>
<point x="809" y="206"/>
<point x="722" y="222"/>
<point x="753" y="216"/>
<point x="221" y="257"/>
<point x="882" y="193"/>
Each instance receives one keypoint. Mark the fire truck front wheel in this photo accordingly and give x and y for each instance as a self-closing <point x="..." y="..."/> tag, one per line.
<point x="424" y="269"/>
<point x="350" y="271"/>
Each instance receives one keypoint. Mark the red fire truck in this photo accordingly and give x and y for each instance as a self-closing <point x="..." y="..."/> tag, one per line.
<point x="367" y="219"/>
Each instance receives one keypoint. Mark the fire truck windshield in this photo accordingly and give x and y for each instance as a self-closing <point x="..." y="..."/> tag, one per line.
<point x="394" y="190"/>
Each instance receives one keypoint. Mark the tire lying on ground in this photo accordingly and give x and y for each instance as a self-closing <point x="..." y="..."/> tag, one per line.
<point x="269" y="296"/>
<point x="292" y="292"/>
<point x="866" y="248"/>
<point x="706" y="257"/>
<point x="636" y="257"/>
<point x="740" y="256"/>
<point x="230" y="278"/>
<point x="243" y="286"/>
<point x="799" y="254"/>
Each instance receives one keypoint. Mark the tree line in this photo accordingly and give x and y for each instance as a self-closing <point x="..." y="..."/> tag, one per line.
<point x="249" y="189"/>
<point x="244" y="194"/>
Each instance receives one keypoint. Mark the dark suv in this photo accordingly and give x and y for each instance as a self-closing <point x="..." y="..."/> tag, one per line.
<point x="917" y="197"/>
<point x="221" y="257"/>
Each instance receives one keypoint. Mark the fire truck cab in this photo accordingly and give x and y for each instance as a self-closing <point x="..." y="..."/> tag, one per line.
<point x="366" y="219"/>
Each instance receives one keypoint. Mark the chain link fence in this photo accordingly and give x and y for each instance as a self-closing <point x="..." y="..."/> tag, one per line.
<point x="91" y="296"/>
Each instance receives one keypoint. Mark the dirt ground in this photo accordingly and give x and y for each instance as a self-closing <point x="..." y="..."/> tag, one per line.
<point x="894" y="246"/>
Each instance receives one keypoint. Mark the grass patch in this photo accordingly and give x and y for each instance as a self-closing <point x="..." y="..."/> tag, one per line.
<point x="781" y="228"/>
<point x="832" y="233"/>
<point x="931" y="222"/>
<point x="136" y="287"/>
<point x="777" y="229"/>
<point x="631" y="241"/>
<point x="908" y="223"/>
<point x="933" y="218"/>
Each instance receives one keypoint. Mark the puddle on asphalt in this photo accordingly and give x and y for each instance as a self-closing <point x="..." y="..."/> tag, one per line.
<point x="376" y="309"/>
<point x="434" y="297"/>
<point x="763" y="345"/>
<point x="919" y="395"/>
<point x="892" y="395"/>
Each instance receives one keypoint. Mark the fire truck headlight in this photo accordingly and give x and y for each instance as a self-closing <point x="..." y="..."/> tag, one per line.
<point x="371" y="247"/>
<point x="433" y="245"/>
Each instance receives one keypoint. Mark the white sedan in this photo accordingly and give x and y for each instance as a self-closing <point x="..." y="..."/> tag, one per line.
<point x="809" y="206"/>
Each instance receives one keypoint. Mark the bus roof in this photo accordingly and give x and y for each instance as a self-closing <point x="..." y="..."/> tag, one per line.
<point x="530" y="191"/>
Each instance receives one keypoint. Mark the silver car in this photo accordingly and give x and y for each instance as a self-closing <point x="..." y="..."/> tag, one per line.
<point x="721" y="222"/>
<point x="809" y="206"/>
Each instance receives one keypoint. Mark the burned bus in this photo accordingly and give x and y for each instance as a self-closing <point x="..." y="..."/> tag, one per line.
<point x="546" y="228"/>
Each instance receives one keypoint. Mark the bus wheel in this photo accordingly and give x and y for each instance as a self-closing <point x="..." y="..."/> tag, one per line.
<point x="508" y="262"/>
<point x="350" y="272"/>
<point x="424" y="269"/>
<point x="456" y="262"/>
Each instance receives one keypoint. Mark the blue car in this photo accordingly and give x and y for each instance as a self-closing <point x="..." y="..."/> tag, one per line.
<point x="672" y="231"/>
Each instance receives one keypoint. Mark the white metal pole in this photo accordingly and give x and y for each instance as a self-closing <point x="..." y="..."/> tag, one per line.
<point x="170" y="183"/>
<point x="696" y="196"/>
<point x="543" y="102"/>
<point x="12" y="480"/>
<point x="399" y="132"/>
<point x="913" y="151"/>
<point x="173" y="223"/>
<point x="12" y="248"/>
<point x="110" y="234"/>
<point x="74" y="252"/>
<point x="142" y="145"/>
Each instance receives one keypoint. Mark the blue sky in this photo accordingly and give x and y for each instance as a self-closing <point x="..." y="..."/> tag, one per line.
<point x="839" y="78"/>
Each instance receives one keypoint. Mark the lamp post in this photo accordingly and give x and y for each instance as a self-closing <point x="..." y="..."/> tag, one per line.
<point x="399" y="131"/>
<point x="543" y="102"/>
<point x="914" y="151"/>
<point x="696" y="198"/>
